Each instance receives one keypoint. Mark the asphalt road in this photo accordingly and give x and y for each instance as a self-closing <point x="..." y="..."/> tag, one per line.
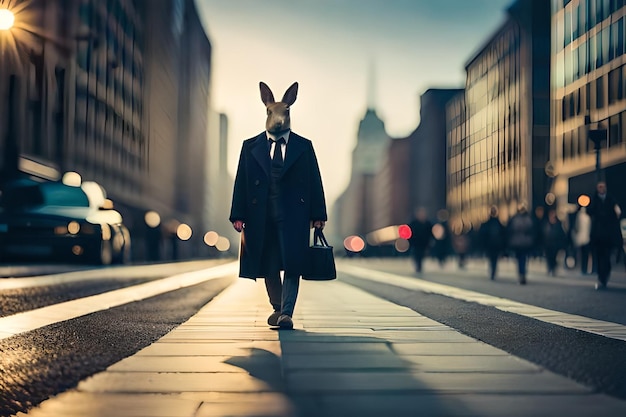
<point x="41" y="363"/>
<point x="595" y="361"/>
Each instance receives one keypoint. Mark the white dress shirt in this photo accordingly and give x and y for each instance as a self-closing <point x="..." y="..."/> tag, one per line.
<point x="283" y="148"/>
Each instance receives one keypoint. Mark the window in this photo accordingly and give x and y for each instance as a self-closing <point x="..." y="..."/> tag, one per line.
<point x="600" y="93"/>
<point x="568" y="26"/>
<point x="619" y="50"/>
<point x="576" y="22"/>
<point x="576" y="64"/>
<point x="599" y="61"/>
<point x="583" y="58"/>
<point x="606" y="45"/>
<point x="567" y="141"/>
<point x="615" y="85"/>
<point x="591" y="14"/>
<point x="592" y="53"/>
<point x="614" y="129"/>
<point x="613" y="42"/>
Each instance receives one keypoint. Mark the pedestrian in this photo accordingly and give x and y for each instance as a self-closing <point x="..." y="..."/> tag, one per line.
<point x="442" y="245"/>
<point x="521" y="238"/>
<point x="493" y="239"/>
<point x="581" y="237"/>
<point x="278" y="196"/>
<point x="538" y="222"/>
<point x="421" y="237"/>
<point x="605" y="231"/>
<point x="461" y="246"/>
<point x="554" y="240"/>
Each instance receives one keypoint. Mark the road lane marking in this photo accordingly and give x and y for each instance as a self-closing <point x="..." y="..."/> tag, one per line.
<point x="109" y="272"/>
<point x="34" y="319"/>
<point x="572" y="321"/>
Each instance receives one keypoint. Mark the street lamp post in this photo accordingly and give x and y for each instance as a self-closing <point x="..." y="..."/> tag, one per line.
<point x="597" y="136"/>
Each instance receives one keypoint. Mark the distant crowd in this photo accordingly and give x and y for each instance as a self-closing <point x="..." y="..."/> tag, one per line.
<point x="591" y="240"/>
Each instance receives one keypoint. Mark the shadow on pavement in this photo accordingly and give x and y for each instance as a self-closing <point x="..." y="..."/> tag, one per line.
<point x="323" y="374"/>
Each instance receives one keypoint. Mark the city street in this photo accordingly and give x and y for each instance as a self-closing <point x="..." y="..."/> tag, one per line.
<point x="189" y="339"/>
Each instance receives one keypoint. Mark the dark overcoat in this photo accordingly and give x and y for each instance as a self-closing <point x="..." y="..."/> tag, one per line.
<point x="301" y="196"/>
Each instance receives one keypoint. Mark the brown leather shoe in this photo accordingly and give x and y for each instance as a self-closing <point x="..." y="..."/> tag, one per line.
<point x="272" y="320"/>
<point x="285" y="322"/>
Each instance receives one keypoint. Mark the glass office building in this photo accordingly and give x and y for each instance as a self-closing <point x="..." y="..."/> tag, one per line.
<point x="589" y="97"/>
<point x="498" y="134"/>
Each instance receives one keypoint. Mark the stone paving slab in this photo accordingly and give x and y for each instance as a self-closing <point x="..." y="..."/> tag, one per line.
<point x="488" y="364"/>
<point x="351" y="354"/>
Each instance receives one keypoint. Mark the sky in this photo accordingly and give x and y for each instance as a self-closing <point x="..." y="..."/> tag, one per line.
<point x="337" y="50"/>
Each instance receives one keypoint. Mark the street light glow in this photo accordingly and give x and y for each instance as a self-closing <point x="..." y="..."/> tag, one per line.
<point x="7" y="18"/>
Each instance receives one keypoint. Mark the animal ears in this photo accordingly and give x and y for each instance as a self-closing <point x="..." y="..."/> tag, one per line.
<point x="291" y="94"/>
<point x="268" y="97"/>
<point x="266" y="94"/>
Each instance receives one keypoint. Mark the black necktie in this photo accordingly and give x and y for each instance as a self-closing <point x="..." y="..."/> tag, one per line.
<point x="277" y="160"/>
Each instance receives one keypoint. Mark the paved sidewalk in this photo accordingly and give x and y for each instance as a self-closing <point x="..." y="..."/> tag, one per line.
<point x="351" y="354"/>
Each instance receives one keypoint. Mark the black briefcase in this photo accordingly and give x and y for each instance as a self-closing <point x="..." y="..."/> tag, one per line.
<point x="321" y="266"/>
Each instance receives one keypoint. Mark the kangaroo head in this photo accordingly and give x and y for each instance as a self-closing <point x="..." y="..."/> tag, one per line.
<point x="278" y="119"/>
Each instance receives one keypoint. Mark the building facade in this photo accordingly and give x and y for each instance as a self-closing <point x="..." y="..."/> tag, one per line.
<point x="118" y="91"/>
<point x="499" y="156"/>
<point x="589" y="97"/>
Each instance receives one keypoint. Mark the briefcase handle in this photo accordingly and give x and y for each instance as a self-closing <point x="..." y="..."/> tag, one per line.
<point x="319" y="239"/>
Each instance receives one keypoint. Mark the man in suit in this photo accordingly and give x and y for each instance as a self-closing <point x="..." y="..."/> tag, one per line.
<point x="605" y="232"/>
<point x="278" y="195"/>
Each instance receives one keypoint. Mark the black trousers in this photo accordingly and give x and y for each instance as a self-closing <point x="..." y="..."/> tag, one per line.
<point x="603" y="258"/>
<point x="493" y="257"/>
<point x="282" y="293"/>
<point x="418" y="257"/>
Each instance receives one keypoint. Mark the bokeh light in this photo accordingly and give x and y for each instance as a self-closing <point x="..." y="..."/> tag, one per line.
<point x="210" y="238"/>
<point x="73" y="227"/>
<point x="183" y="231"/>
<point x="439" y="232"/>
<point x="402" y="245"/>
<point x="404" y="231"/>
<point x="222" y="244"/>
<point x="584" y="200"/>
<point x="152" y="219"/>
<point x="354" y="243"/>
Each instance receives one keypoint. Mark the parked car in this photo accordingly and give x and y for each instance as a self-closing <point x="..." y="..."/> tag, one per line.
<point x="52" y="221"/>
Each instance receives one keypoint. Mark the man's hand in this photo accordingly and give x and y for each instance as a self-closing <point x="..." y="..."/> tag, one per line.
<point x="319" y="224"/>
<point x="238" y="225"/>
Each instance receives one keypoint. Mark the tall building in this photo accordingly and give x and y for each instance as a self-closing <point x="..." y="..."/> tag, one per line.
<point x="428" y="152"/>
<point x="588" y="98"/>
<point x="457" y="162"/>
<point x="499" y="157"/>
<point x="117" y="91"/>
<point x="355" y="209"/>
